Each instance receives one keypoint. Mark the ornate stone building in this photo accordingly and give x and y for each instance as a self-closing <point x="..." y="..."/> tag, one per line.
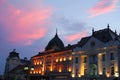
<point x="94" y="57"/>
<point x="97" y="56"/>
<point x="14" y="67"/>
<point x="53" y="63"/>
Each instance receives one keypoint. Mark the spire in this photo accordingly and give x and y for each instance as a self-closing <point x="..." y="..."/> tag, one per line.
<point x="115" y="32"/>
<point x="108" y="26"/>
<point x="56" y="32"/>
<point x="93" y="31"/>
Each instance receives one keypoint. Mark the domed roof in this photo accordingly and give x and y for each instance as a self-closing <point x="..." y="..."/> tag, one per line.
<point x="55" y="43"/>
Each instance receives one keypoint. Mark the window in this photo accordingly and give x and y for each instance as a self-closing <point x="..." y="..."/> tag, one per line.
<point x="104" y="70"/>
<point x="85" y="59"/>
<point x="76" y="60"/>
<point x="93" y="59"/>
<point x="111" y="56"/>
<point x="112" y="70"/>
<point x="103" y="57"/>
<point x="85" y="71"/>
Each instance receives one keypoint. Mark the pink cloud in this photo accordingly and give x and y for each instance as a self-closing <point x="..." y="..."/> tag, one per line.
<point x="23" y="26"/>
<point x="104" y="6"/>
<point x="77" y="36"/>
<point x="1" y="2"/>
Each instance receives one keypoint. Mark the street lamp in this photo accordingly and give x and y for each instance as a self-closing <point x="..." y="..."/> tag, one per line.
<point x="27" y="69"/>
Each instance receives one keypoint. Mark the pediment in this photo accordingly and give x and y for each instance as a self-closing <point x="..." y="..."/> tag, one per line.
<point x="93" y="43"/>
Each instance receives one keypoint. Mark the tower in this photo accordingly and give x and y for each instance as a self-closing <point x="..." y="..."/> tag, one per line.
<point x="12" y="61"/>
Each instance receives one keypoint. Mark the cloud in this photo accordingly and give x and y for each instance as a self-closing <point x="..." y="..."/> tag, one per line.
<point x="76" y="36"/>
<point x="24" y="26"/>
<point x="71" y="30"/>
<point x="103" y="6"/>
<point x="1" y="2"/>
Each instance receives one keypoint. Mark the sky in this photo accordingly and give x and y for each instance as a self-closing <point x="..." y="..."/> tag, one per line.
<point x="28" y="25"/>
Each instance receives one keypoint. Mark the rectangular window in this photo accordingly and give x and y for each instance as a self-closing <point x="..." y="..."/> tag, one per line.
<point x="76" y="60"/>
<point x="85" y="71"/>
<point x="93" y="59"/>
<point x="111" y="56"/>
<point x="104" y="71"/>
<point x="103" y="57"/>
<point x="112" y="70"/>
<point x="85" y="59"/>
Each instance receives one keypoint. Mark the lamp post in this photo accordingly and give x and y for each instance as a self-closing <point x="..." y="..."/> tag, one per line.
<point x="26" y="69"/>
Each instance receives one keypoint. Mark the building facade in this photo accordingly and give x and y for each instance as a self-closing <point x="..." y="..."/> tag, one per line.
<point x="97" y="56"/>
<point x="54" y="63"/>
<point x="14" y="67"/>
<point x="94" y="57"/>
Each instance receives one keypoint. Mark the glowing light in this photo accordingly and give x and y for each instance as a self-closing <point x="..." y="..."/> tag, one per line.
<point x="116" y="74"/>
<point x="108" y="75"/>
<point x="36" y="72"/>
<point x="40" y="62"/>
<point x="64" y="59"/>
<point x="39" y="71"/>
<point x="37" y="63"/>
<point x="70" y="58"/>
<point x="42" y="73"/>
<point x="70" y="69"/>
<point x="32" y="69"/>
<point x="56" y="60"/>
<point x="100" y="54"/>
<point x="51" y="69"/>
<point x="60" y="59"/>
<point x="100" y="73"/>
<point x="60" y="69"/>
<point x="33" y="72"/>
<point x="43" y="69"/>
<point x="30" y="72"/>
<point x="26" y="68"/>
<point x="73" y="75"/>
<point x="79" y="75"/>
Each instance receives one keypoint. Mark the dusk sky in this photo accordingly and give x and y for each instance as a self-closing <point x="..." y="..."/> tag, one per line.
<point x="28" y="25"/>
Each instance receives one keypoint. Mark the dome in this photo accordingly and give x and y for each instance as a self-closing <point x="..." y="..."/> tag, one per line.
<point x="55" y="43"/>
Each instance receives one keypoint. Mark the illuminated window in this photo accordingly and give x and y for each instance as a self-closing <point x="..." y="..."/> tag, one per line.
<point x="60" y="69"/>
<point x="30" y="72"/>
<point x="39" y="71"/>
<point x="64" y="59"/>
<point x="56" y="60"/>
<point x="60" y="59"/>
<point x="40" y="62"/>
<point x="37" y="63"/>
<point x="70" y="58"/>
<point x="69" y="69"/>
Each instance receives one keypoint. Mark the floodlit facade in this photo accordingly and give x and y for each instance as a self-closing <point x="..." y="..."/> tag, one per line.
<point x="94" y="57"/>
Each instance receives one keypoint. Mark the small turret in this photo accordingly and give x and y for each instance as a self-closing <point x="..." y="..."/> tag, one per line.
<point x="93" y="31"/>
<point x="108" y="26"/>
